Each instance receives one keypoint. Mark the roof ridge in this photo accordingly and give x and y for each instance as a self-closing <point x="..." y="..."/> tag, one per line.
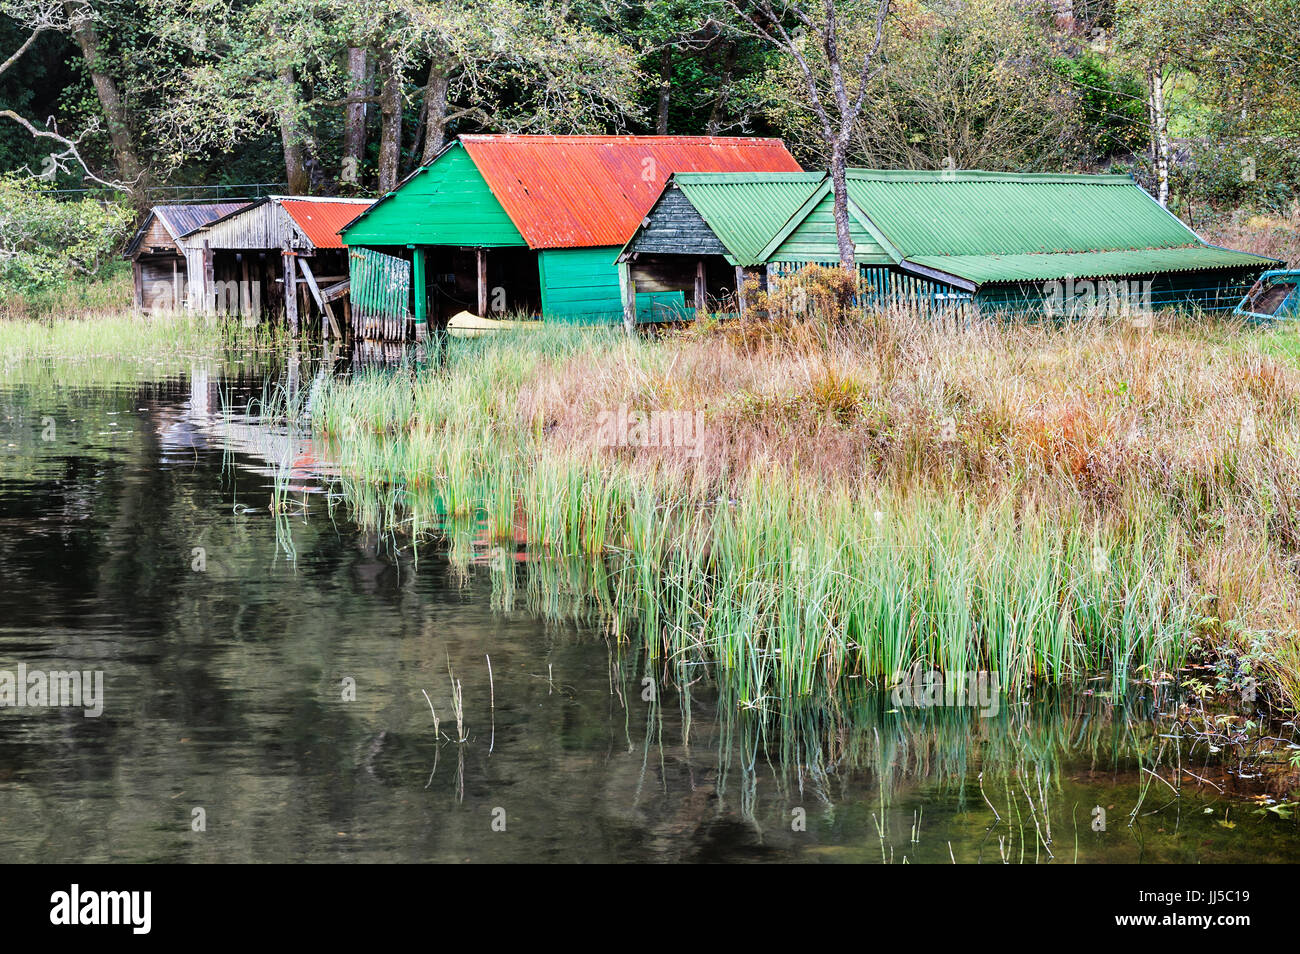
<point x="535" y="137"/>
<point x="352" y="200"/>
<point x="776" y="176"/>
<point x="986" y="175"/>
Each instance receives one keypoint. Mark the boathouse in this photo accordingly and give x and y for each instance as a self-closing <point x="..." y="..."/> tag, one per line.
<point x="166" y="261"/>
<point x="1015" y="242"/>
<point x="705" y="235"/>
<point x="503" y="224"/>
<point x="281" y="255"/>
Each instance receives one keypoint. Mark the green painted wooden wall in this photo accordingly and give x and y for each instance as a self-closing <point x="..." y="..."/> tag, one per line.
<point x="814" y="239"/>
<point x="580" y="285"/>
<point x="447" y="203"/>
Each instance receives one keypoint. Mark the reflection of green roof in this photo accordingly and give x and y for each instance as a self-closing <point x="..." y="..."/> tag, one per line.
<point x="1006" y="268"/>
<point x="994" y="226"/>
<point x="745" y="209"/>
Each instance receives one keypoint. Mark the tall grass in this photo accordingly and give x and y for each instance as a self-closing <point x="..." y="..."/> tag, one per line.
<point x="1046" y="503"/>
<point x="129" y="337"/>
<point x="99" y="296"/>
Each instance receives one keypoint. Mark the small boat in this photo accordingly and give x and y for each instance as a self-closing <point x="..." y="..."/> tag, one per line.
<point x="1273" y="298"/>
<point x="469" y="325"/>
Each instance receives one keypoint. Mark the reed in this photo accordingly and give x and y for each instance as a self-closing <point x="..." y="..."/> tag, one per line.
<point x="129" y="337"/>
<point x="1046" y="502"/>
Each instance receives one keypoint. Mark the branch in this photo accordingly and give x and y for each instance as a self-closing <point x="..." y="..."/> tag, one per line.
<point x="867" y="74"/>
<point x="70" y="152"/>
<point x="782" y="40"/>
<point x="22" y="49"/>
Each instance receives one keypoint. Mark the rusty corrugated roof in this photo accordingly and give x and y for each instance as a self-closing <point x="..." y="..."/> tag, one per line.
<point x="582" y="191"/>
<point x="322" y="219"/>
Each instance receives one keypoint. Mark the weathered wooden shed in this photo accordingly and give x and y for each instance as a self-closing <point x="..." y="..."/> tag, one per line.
<point x="529" y="224"/>
<point x="166" y="262"/>
<point x="706" y="233"/>
<point x="278" y="255"/>
<point x="1015" y="242"/>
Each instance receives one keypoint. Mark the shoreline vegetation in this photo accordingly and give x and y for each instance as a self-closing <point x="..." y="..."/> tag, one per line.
<point x="89" y="337"/>
<point x="805" y="503"/>
<point x="1050" y="503"/>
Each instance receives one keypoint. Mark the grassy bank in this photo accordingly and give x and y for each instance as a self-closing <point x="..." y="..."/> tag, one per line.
<point x="101" y="296"/>
<point x="123" y="336"/>
<point x="1048" y="503"/>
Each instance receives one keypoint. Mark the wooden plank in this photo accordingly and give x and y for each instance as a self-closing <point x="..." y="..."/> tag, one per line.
<point x="701" y="287"/>
<point x="290" y="292"/>
<point x="481" y="262"/>
<point x="418" y="290"/>
<point x="334" y="292"/>
<point x="627" y="288"/>
<point x="327" y="314"/>
<point x="740" y="290"/>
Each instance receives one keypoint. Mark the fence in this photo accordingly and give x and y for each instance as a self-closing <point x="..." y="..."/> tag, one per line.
<point x="161" y="195"/>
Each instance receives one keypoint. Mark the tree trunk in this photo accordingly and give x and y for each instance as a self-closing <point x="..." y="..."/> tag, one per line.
<point x="840" y="192"/>
<point x="110" y="99"/>
<point x="291" y="137"/>
<point x="1160" y="134"/>
<point x="390" y="122"/>
<point x="714" y="123"/>
<point x="435" y="111"/>
<point x="665" y="90"/>
<point x="354" y="117"/>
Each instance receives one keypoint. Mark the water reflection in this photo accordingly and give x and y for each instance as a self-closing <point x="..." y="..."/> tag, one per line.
<point x="289" y="688"/>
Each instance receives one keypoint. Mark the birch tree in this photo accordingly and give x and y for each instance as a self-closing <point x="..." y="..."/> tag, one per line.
<point x="836" y="74"/>
<point x="1150" y="32"/>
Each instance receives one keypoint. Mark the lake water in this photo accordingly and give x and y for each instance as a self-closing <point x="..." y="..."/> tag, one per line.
<point x="264" y="682"/>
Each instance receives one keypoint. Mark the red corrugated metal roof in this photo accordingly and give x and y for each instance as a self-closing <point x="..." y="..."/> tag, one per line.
<point x="321" y="219"/>
<point x="576" y="191"/>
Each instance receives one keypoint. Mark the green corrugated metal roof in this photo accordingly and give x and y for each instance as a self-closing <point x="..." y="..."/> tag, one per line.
<point x="996" y="214"/>
<point x="1006" y="227"/>
<point x="982" y="269"/>
<point x="745" y="209"/>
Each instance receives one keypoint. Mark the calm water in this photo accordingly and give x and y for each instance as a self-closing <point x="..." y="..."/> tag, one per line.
<point x="136" y="540"/>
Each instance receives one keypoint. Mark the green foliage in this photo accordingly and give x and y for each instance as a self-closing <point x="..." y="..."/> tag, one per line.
<point x="1112" y="109"/>
<point x="44" y="240"/>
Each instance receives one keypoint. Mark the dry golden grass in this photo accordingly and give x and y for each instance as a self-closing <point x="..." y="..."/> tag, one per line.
<point x="1264" y="233"/>
<point x="1179" y="422"/>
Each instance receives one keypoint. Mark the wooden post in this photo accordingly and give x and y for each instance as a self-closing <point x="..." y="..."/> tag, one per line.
<point x="627" y="289"/>
<point x="481" y="255"/>
<point x="326" y="317"/>
<point x="207" y="300"/>
<point x="740" y="291"/>
<point x="176" y="289"/>
<point x="419" y="291"/>
<point x="701" y="288"/>
<point x="137" y="278"/>
<point x="290" y="292"/>
<point x="245" y="289"/>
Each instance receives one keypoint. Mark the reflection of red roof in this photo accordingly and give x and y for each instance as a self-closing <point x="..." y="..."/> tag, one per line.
<point x="321" y="219"/>
<point x="574" y="191"/>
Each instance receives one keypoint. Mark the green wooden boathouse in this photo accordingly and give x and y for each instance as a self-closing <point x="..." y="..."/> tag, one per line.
<point x="500" y="225"/>
<point x="705" y="235"/>
<point x="1015" y="242"/>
